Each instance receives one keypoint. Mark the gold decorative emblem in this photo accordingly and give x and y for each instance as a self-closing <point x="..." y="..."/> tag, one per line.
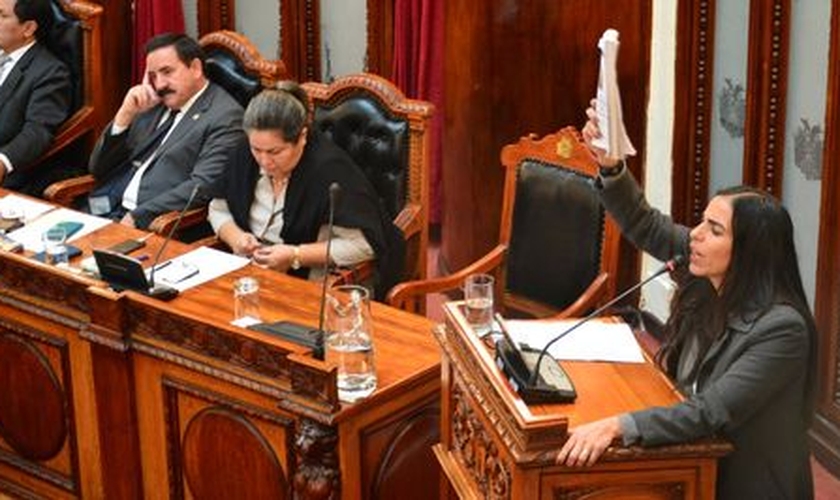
<point x="564" y="148"/>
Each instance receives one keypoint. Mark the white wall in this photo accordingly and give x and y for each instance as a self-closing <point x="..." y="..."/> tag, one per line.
<point x="343" y="37"/>
<point x="660" y="126"/>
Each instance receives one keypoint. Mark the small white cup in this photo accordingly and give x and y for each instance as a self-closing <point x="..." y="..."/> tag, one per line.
<point x="478" y="301"/>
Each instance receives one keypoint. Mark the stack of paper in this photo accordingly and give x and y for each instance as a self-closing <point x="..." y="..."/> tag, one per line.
<point x="594" y="340"/>
<point x="610" y="120"/>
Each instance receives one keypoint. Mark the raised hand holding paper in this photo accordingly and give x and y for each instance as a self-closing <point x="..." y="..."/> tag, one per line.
<point x="614" y="139"/>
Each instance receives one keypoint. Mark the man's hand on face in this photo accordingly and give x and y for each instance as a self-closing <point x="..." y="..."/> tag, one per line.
<point x="138" y="99"/>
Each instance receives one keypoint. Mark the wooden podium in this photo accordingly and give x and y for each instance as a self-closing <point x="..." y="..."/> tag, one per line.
<point x="116" y="395"/>
<point x="493" y="446"/>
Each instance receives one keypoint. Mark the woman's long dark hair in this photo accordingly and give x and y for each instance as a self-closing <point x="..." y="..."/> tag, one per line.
<point x="763" y="271"/>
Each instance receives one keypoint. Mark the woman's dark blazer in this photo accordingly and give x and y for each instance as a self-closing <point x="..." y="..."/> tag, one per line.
<point x="751" y="388"/>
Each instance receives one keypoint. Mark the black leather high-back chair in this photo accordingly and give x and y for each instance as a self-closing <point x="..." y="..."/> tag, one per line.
<point x="387" y="136"/>
<point x="558" y="251"/>
<point x="75" y="38"/>
<point x="236" y="65"/>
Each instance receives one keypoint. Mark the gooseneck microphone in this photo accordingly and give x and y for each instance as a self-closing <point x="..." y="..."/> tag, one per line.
<point x="669" y="266"/>
<point x="163" y="291"/>
<point x="335" y="190"/>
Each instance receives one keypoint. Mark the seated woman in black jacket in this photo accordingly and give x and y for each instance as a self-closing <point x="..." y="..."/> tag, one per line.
<point x="274" y="205"/>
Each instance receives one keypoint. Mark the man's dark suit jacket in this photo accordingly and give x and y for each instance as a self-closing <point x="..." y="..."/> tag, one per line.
<point x="194" y="153"/>
<point x="34" y="100"/>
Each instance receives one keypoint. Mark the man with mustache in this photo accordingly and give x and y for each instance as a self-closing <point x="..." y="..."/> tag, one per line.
<point x="170" y="134"/>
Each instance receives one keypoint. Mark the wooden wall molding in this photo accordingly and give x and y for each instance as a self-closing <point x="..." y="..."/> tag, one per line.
<point x="380" y="37"/>
<point x="767" y="70"/>
<point x="300" y="38"/>
<point x="216" y="15"/>
<point x="693" y="113"/>
<point x="764" y="127"/>
<point x="826" y="428"/>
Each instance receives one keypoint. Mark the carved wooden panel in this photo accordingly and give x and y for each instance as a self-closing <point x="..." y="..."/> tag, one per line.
<point x="222" y="448"/>
<point x="826" y="427"/>
<point x="398" y="451"/>
<point x="36" y="409"/>
<point x="317" y="475"/>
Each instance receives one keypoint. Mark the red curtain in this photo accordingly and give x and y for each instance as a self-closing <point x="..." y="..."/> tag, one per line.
<point x="418" y="71"/>
<point x="152" y="17"/>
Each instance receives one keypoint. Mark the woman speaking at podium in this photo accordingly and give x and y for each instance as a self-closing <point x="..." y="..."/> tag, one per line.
<point x="741" y="341"/>
<point x="283" y="183"/>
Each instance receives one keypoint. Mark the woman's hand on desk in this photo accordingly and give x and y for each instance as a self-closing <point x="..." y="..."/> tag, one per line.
<point x="277" y="257"/>
<point x="588" y="442"/>
<point x="245" y="244"/>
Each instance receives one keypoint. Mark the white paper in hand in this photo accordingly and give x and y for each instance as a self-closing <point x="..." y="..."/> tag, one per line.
<point x="610" y="120"/>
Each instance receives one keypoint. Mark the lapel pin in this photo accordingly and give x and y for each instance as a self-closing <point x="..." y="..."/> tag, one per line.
<point x="195" y="116"/>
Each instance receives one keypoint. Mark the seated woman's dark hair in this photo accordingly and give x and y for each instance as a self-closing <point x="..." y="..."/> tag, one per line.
<point x="285" y="109"/>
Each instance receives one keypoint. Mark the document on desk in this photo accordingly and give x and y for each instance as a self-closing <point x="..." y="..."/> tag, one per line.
<point x="13" y="206"/>
<point x="196" y="267"/>
<point x="614" y="137"/>
<point x="30" y="234"/>
<point x="595" y="340"/>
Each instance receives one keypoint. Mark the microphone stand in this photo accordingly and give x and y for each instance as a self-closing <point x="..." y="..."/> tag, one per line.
<point x="153" y="291"/>
<point x="667" y="267"/>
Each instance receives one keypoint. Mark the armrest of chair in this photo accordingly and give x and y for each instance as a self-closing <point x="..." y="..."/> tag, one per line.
<point x="210" y="242"/>
<point x="65" y="192"/>
<point x="164" y="223"/>
<point x="72" y="129"/>
<point x="408" y="295"/>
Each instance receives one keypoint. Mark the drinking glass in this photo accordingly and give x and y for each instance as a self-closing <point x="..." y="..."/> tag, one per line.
<point x="246" y="300"/>
<point x="348" y="343"/>
<point x="55" y="246"/>
<point x="478" y="299"/>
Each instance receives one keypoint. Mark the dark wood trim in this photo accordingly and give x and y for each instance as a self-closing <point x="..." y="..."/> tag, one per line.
<point x="380" y="37"/>
<point x="693" y="108"/>
<point x="826" y="429"/>
<point x="215" y="15"/>
<point x="300" y="38"/>
<point x="767" y="70"/>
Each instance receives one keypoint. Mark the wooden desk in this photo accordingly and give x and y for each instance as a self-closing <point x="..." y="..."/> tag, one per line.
<point x="494" y="446"/>
<point x="107" y="395"/>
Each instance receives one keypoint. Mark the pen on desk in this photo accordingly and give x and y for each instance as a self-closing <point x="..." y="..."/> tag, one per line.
<point x="143" y="257"/>
<point x="161" y="266"/>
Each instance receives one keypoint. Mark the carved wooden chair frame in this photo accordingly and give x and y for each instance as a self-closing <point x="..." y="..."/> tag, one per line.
<point x="564" y="148"/>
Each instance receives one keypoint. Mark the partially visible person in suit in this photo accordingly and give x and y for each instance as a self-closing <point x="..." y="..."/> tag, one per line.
<point x="35" y="92"/>
<point x="170" y="134"/>
<point x="274" y="203"/>
<point x="741" y="342"/>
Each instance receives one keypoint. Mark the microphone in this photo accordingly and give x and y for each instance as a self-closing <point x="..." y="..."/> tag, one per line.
<point x="557" y="387"/>
<point x="124" y="272"/>
<point x="300" y="334"/>
<point x="163" y="291"/>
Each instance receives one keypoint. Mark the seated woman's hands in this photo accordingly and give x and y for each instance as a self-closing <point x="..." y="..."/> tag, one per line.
<point x="588" y="442"/>
<point x="245" y="244"/>
<point x="277" y="257"/>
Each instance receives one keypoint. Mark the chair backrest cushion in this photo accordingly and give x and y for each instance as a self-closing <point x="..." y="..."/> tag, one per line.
<point x="556" y="235"/>
<point x="66" y="42"/>
<point x="224" y="68"/>
<point x="375" y="139"/>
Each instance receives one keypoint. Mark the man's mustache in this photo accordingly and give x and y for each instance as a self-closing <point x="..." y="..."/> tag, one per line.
<point x="164" y="92"/>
